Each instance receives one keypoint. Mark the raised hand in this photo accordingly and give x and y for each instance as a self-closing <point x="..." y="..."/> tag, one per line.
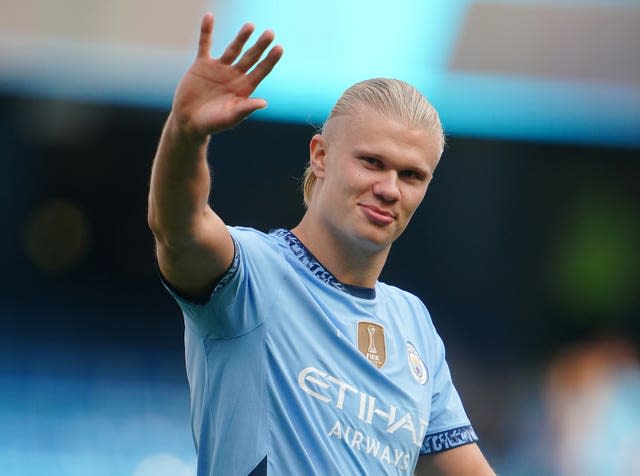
<point x="214" y="94"/>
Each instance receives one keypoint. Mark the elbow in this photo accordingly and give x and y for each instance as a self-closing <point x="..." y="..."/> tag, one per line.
<point x="153" y="221"/>
<point x="161" y="232"/>
<point x="168" y="234"/>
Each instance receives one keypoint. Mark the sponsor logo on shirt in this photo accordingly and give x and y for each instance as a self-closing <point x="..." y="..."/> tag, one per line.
<point x="371" y="342"/>
<point x="371" y="412"/>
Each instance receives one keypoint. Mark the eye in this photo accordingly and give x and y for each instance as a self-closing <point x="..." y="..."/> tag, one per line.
<point x="371" y="161"/>
<point x="412" y="174"/>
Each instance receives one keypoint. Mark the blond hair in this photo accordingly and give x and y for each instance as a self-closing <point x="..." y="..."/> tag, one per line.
<point x="392" y="98"/>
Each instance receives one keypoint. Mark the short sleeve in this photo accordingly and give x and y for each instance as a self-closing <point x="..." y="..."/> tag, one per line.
<point x="449" y="426"/>
<point x="240" y="299"/>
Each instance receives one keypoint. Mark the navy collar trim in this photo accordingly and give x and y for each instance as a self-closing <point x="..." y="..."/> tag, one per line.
<point x="306" y="258"/>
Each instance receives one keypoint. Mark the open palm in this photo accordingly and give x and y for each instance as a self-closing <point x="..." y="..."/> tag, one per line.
<point x="214" y="94"/>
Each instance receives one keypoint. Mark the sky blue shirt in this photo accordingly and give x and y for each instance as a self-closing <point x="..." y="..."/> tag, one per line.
<point x="295" y="373"/>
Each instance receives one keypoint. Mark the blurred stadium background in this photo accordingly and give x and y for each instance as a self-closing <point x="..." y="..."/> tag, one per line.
<point x="526" y="250"/>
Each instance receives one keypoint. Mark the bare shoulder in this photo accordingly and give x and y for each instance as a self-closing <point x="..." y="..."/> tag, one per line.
<point x="466" y="460"/>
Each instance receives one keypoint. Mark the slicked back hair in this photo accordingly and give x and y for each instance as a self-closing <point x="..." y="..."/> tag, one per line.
<point x="391" y="98"/>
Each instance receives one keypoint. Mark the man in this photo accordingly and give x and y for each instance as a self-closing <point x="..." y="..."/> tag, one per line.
<point x="299" y="361"/>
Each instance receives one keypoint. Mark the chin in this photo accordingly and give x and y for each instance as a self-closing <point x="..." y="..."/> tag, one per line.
<point x="376" y="240"/>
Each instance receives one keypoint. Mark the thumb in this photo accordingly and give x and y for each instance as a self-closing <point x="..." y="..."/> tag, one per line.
<point x="248" y="106"/>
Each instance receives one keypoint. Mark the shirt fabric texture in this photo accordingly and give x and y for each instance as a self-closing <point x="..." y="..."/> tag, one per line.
<point x="285" y="362"/>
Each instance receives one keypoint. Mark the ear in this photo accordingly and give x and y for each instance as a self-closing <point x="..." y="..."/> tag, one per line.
<point x="318" y="155"/>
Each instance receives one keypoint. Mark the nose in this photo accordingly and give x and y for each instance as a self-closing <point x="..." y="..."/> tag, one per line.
<point x="386" y="187"/>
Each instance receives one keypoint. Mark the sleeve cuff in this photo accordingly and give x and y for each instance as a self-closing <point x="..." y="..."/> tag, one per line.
<point x="448" y="439"/>
<point x="222" y="282"/>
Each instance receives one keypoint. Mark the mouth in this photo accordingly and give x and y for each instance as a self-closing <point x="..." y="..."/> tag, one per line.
<point x="377" y="215"/>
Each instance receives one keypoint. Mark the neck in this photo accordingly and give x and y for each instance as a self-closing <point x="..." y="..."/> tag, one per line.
<point x="349" y="261"/>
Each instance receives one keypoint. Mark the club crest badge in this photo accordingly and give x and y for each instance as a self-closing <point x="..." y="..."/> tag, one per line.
<point x="371" y="342"/>
<point x="418" y="369"/>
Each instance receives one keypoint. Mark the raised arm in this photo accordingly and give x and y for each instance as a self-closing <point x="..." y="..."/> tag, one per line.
<point x="193" y="245"/>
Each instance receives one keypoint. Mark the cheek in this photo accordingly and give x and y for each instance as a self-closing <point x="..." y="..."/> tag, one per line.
<point x="349" y="180"/>
<point x="413" y="199"/>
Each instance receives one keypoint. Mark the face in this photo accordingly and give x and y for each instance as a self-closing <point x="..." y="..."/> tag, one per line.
<point x="372" y="173"/>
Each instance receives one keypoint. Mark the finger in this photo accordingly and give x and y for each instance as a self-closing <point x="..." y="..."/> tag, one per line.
<point x="253" y="54"/>
<point x="265" y="66"/>
<point x="235" y="47"/>
<point x="206" y="29"/>
<point x="244" y="108"/>
<point x="238" y="112"/>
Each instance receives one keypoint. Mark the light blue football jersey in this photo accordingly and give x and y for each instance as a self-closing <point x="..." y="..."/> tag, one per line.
<point x="293" y="373"/>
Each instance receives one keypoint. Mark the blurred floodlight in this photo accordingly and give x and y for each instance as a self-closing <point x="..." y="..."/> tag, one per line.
<point x="596" y="267"/>
<point x="57" y="236"/>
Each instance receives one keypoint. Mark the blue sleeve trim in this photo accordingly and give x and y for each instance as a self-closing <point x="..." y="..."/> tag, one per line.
<point x="230" y="273"/>
<point x="446" y="440"/>
<point x="222" y="282"/>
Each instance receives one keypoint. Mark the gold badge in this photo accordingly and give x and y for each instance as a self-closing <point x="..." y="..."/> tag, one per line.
<point x="371" y="342"/>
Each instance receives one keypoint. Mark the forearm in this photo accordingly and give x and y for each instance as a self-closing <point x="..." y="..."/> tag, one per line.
<point x="180" y="185"/>
<point x="466" y="460"/>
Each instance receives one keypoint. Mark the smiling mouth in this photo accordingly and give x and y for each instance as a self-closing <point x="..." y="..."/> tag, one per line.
<point x="376" y="215"/>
